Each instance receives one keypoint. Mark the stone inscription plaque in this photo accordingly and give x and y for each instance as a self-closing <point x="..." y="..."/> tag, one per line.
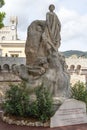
<point x="71" y="112"/>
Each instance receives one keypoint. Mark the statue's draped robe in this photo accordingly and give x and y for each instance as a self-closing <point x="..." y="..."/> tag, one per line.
<point x="54" y="27"/>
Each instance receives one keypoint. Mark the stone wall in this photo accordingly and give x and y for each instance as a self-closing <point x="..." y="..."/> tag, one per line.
<point x="4" y="86"/>
<point x="6" y="75"/>
<point x="8" y="62"/>
<point x="75" y="78"/>
<point x="77" y="61"/>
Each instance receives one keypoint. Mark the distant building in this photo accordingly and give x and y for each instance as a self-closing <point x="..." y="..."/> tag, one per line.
<point x="9" y="33"/>
<point x="10" y="46"/>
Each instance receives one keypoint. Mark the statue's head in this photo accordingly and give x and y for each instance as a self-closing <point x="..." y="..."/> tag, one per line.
<point x="51" y="8"/>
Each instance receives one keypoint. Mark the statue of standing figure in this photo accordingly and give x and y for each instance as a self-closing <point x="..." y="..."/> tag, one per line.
<point x="44" y="64"/>
<point x="52" y="30"/>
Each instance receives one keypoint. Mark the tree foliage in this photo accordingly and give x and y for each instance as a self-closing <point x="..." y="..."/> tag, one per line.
<point x="2" y="14"/>
<point x="1" y="3"/>
<point x="79" y="92"/>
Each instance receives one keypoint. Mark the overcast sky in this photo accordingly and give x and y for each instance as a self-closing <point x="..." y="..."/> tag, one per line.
<point x="72" y="14"/>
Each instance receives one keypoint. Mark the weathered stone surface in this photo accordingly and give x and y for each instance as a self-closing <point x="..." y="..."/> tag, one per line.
<point x="34" y="39"/>
<point x="1" y="114"/>
<point x="71" y="112"/>
<point x="43" y="37"/>
<point x="44" y="64"/>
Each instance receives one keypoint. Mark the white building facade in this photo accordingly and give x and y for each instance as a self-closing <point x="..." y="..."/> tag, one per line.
<point x="10" y="45"/>
<point x="9" y="33"/>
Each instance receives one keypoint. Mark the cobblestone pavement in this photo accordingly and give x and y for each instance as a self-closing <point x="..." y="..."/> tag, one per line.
<point x="5" y="126"/>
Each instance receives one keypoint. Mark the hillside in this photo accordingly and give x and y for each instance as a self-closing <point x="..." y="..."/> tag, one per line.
<point x="69" y="53"/>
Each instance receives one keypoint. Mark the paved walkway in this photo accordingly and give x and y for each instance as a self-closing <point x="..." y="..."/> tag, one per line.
<point x="5" y="126"/>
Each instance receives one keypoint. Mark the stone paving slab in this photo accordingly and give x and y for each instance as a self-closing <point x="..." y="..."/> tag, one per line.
<point x="5" y="126"/>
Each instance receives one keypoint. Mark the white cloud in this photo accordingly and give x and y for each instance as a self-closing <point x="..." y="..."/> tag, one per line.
<point x="72" y="15"/>
<point x="74" y="29"/>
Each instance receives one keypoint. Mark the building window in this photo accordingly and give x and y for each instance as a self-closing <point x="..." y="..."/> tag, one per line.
<point x="78" y="69"/>
<point x="12" y="67"/>
<point x="12" y="37"/>
<point x="14" y="55"/>
<point x="3" y="38"/>
<point x="6" y="67"/>
<point x="72" y="67"/>
<point x="6" y="55"/>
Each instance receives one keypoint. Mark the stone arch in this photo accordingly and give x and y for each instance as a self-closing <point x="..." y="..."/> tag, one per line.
<point x="78" y="68"/>
<point x="12" y="66"/>
<point x="72" y="67"/>
<point x="6" y="67"/>
<point x="67" y="66"/>
<point x="21" y="64"/>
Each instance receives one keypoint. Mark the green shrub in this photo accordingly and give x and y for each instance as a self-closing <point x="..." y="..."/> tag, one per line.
<point x="44" y="103"/>
<point x="33" y="110"/>
<point x="79" y="92"/>
<point x="17" y="100"/>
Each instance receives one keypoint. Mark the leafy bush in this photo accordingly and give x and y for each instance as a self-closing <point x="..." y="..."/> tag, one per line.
<point x="44" y="103"/>
<point x="33" y="110"/>
<point x="79" y="92"/>
<point x="17" y="100"/>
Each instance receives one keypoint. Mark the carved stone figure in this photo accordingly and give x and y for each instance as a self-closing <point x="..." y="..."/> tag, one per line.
<point x="52" y="29"/>
<point x="44" y="64"/>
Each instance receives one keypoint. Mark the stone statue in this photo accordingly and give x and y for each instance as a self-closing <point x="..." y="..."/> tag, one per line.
<point x="44" y="64"/>
<point x="52" y="29"/>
